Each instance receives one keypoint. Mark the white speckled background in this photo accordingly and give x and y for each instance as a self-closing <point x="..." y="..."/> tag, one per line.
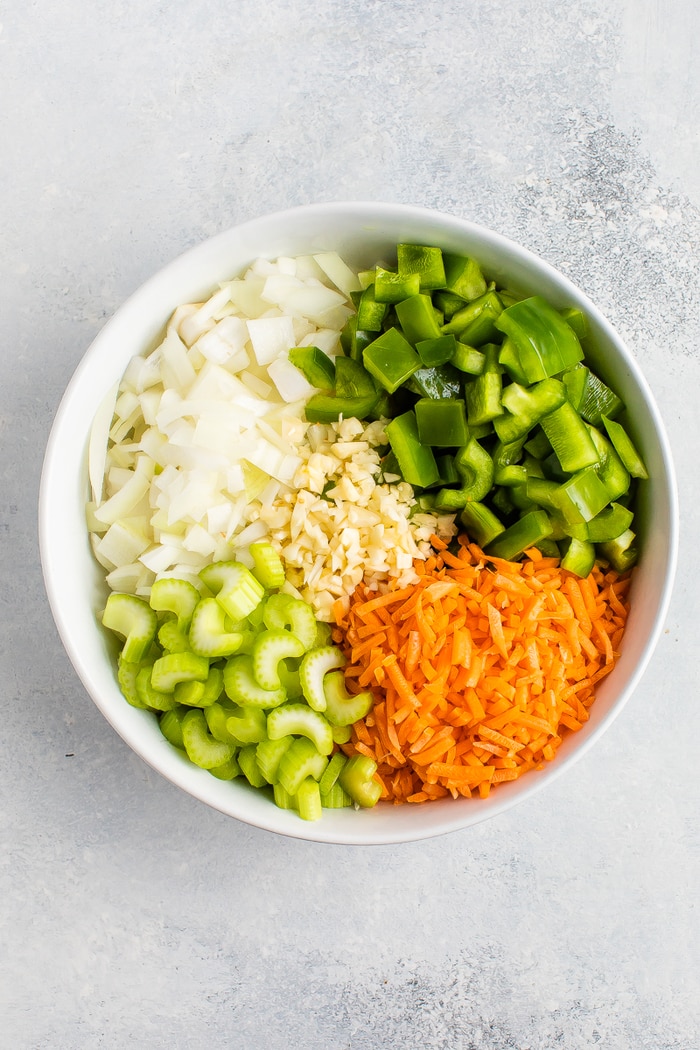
<point x="132" y="916"/>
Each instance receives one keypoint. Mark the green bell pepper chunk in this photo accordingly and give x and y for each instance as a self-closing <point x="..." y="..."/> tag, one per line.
<point x="569" y="438"/>
<point x="508" y="358"/>
<point x="437" y="382"/>
<point x="417" y="319"/>
<point x="622" y="443"/>
<point x="611" y="470"/>
<point x="353" y="340"/>
<point x="609" y="524"/>
<point x="575" y="383"/>
<point x="481" y="523"/>
<point x="475" y="466"/>
<point x="538" y="445"/>
<point x="527" y="532"/>
<point x="578" y="556"/>
<point x="582" y="497"/>
<point x="416" y="461"/>
<point x="483" y="394"/>
<point x="545" y="343"/>
<point x="448" y="303"/>
<point x="436" y="351"/>
<point x="443" y="423"/>
<point x="314" y="365"/>
<point x="621" y="552"/>
<point x="327" y="408"/>
<point x="463" y="276"/>
<point x="370" y="313"/>
<point x="598" y="400"/>
<point x="425" y="261"/>
<point x="390" y="287"/>
<point x="391" y="359"/>
<point x="577" y="320"/>
<point x="352" y="379"/>
<point x="469" y="359"/>
<point x="526" y="406"/>
<point x="475" y="324"/>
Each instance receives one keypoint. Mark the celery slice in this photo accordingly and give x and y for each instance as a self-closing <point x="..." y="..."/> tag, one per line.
<point x="300" y="720"/>
<point x="336" y="798"/>
<point x="270" y="648"/>
<point x="176" y="596"/>
<point x="201" y="747"/>
<point x="267" y="565"/>
<point x="357" y="778"/>
<point x="172" y="668"/>
<point x="201" y="694"/>
<point x="234" y="586"/>
<point x="216" y="717"/>
<point x="268" y="754"/>
<point x="342" y="709"/>
<point x="283" y="800"/>
<point x="282" y="612"/>
<point x="170" y="723"/>
<point x="301" y="760"/>
<point x="126" y="676"/>
<point x="227" y="771"/>
<point x="315" y="665"/>
<point x="172" y="637"/>
<point x="341" y="734"/>
<point x="149" y="695"/>
<point x="249" y="766"/>
<point x="134" y="620"/>
<point x="332" y="772"/>
<point x="210" y="630"/>
<point x="247" y="725"/>
<point x="242" y="687"/>
<point x="309" y="799"/>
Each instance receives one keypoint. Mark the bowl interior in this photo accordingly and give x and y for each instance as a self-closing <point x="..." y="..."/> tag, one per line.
<point x="362" y="234"/>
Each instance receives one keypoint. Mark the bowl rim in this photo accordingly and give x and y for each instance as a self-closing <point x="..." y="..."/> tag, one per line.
<point x="367" y="211"/>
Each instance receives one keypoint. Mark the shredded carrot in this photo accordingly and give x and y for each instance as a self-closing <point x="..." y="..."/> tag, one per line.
<point x="478" y="670"/>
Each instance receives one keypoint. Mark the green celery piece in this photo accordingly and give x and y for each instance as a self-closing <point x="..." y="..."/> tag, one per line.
<point x="267" y="565"/>
<point x="417" y="319"/>
<point x="309" y="800"/>
<point x="463" y="276"/>
<point x="211" y="632"/>
<point x="216" y="716"/>
<point x="332" y="772"/>
<point x="621" y="552"/>
<point x="288" y="671"/>
<point x="314" y="365"/>
<point x="622" y="443"/>
<point x="172" y="668"/>
<point x="249" y="766"/>
<point x="475" y="324"/>
<point x="391" y="359"/>
<point x="283" y="800"/>
<point x="324" y="634"/>
<point x="341" y="734"/>
<point x="441" y="423"/>
<point x="315" y="665"/>
<point x="390" y="287"/>
<point x="150" y="697"/>
<point x="343" y="708"/>
<point x="246" y="724"/>
<point x="327" y="408"/>
<point x="569" y="438"/>
<point x="416" y="461"/>
<point x="468" y="359"/>
<point x="227" y="770"/>
<point x="234" y="586"/>
<point x="126" y="676"/>
<point x="242" y="686"/>
<point x="173" y="638"/>
<point x="282" y="612"/>
<point x="598" y="400"/>
<point x="300" y="720"/>
<point x="268" y="754"/>
<point x="176" y="596"/>
<point x="545" y="343"/>
<point x="370" y="313"/>
<point x="269" y="649"/>
<point x="200" y="745"/>
<point x="582" y="497"/>
<point x="302" y="759"/>
<point x="424" y="260"/>
<point x="335" y="797"/>
<point x="481" y="523"/>
<point x="436" y="351"/>
<point x="527" y="406"/>
<point x="522" y="534"/>
<point x="201" y="694"/>
<point x="134" y="620"/>
<point x="609" y="524"/>
<point x="170" y="723"/>
<point x="357" y="778"/>
<point x="578" y="557"/>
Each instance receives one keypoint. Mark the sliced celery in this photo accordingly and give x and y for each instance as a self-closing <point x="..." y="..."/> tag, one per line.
<point x="269" y="754"/>
<point x="126" y="676"/>
<point x="267" y="565"/>
<point x="336" y="798"/>
<point x="217" y="716"/>
<point x="249" y="766"/>
<point x="301" y="760"/>
<point x="227" y="771"/>
<point x="283" y="800"/>
<point x="314" y="666"/>
<point x="332" y="772"/>
<point x="150" y="696"/>
<point x="342" y="708"/>
<point x="282" y="612"/>
<point x="170" y="723"/>
<point x="235" y="587"/>
<point x="309" y="799"/>
<point x="357" y="778"/>
<point x="269" y="650"/>
<point x="242" y="687"/>
<point x="300" y="720"/>
<point x="211" y="632"/>
<point x="201" y="694"/>
<point x="172" y="637"/>
<point x="201" y="747"/>
<point x="134" y="620"/>
<point x="172" y="668"/>
<point x="247" y="725"/>
<point x="175" y="596"/>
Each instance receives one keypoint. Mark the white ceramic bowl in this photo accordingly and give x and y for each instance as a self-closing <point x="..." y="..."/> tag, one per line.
<point x="362" y="233"/>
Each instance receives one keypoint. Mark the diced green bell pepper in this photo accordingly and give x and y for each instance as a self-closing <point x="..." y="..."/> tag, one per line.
<point x="314" y="365"/>
<point x="416" y="460"/>
<point x="463" y="276"/>
<point x="423" y="260"/>
<point x="391" y="359"/>
<point x="546" y="345"/>
<point x="436" y="351"/>
<point x="522" y="534"/>
<point x="417" y="319"/>
<point x="390" y="287"/>
<point x="442" y="423"/>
